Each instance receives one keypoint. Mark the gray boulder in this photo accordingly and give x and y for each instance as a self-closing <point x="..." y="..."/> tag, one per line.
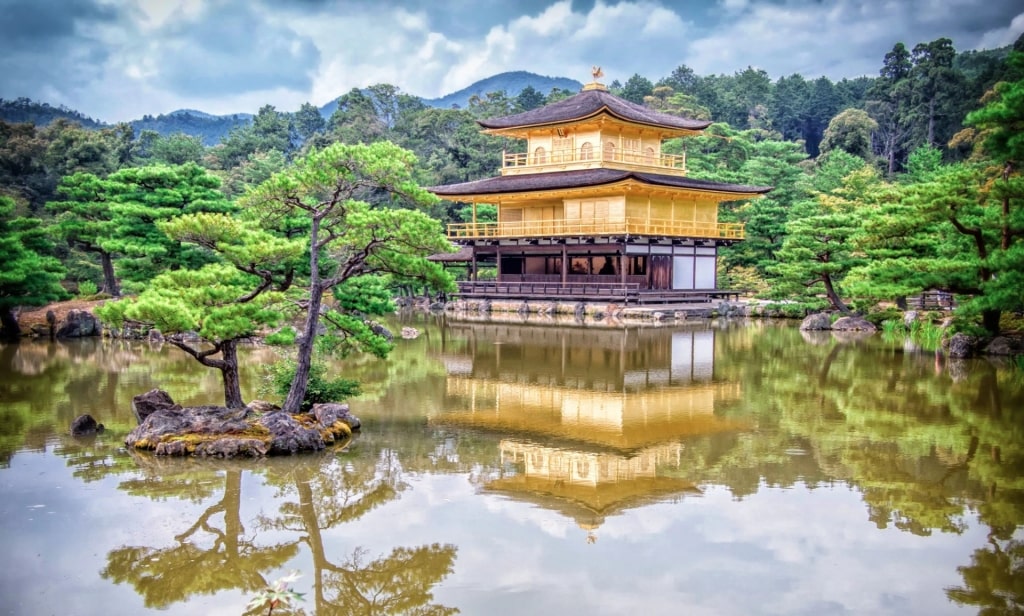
<point x="816" y="322"/>
<point x="909" y="317"/>
<point x="85" y="425"/>
<point x="329" y="412"/>
<point x="144" y="405"/>
<point x="961" y="346"/>
<point x="380" y="330"/>
<point x="261" y="407"/>
<point x="287" y="435"/>
<point x="858" y="324"/>
<point x="1003" y="345"/>
<point x="78" y="324"/>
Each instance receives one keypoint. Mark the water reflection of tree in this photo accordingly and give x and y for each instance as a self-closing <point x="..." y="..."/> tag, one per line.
<point x="918" y="445"/>
<point x="994" y="581"/>
<point x="207" y="557"/>
<point x="339" y="492"/>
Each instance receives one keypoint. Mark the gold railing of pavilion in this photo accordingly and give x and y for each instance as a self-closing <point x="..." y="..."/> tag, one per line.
<point x="629" y="156"/>
<point x="580" y="227"/>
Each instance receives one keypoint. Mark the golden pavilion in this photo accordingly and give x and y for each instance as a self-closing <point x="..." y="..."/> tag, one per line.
<point x="593" y="422"/>
<point x="593" y="210"/>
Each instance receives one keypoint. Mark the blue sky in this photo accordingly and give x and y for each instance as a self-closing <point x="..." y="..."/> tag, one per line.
<point x="119" y="59"/>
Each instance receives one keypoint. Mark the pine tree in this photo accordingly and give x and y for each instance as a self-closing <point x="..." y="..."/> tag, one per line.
<point x="30" y="275"/>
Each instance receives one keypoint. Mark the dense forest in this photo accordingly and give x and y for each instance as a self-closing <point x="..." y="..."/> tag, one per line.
<point x="883" y="186"/>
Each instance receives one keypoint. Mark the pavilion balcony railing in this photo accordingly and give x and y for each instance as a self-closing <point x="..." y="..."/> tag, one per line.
<point x="577" y="227"/>
<point x="639" y="158"/>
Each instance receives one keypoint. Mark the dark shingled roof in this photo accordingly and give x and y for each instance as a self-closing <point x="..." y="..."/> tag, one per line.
<point x="581" y="178"/>
<point x="589" y="103"/>
<point x="464" y="253"/>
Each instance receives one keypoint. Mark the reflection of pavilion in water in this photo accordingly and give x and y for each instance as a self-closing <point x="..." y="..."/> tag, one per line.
<point x="595" y="421"/>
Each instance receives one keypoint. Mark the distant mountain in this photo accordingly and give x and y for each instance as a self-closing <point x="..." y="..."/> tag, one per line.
<point x="22" y="110"/>
<point x="210" y="128"/>
<point x="511" y="83"/>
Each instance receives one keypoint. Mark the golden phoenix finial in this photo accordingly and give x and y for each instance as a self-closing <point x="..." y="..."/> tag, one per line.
<point x="596" y="72"/>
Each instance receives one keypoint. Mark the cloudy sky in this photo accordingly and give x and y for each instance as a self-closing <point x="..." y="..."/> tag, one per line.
<point x="118" y="59"/>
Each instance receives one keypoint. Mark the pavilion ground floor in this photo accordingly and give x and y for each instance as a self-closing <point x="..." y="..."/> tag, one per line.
<point x="626" y="270"/>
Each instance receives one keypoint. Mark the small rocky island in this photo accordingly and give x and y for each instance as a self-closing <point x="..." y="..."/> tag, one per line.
<point x="256" y="430"/>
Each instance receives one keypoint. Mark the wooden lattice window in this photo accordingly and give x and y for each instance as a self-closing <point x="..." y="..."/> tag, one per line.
<point x="631" y="149"/>
<point x="609" y="150"/>
<point x="587" y="151"/>
<point x="561" y="149"/>
<point x="540" y="156"/>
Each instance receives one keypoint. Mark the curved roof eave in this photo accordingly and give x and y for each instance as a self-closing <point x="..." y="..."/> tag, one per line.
<point x="588" y="104"/>
<point x="585" y="178"/>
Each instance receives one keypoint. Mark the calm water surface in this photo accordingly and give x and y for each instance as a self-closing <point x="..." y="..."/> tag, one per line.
<point x="535" y="469"/>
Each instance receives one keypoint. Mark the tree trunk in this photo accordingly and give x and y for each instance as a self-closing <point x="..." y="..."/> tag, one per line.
<point x="931" y="123"/>
<point x="307" y="510"/>
<point x="833" y="297"/>
<point x="229" y="372"/>
<point x="990" y="321"/>
<point x="303" y="360"/>
<point x="9" y="328"/>
<point x="109" y="280"/>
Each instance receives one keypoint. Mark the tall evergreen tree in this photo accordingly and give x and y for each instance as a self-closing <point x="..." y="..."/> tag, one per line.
<point x="817" y="252"/>
<point x="30" y="275"/>
<point x="348" y="236"/>
<point x="888" y="102"/>
<point x="115" y="218"/>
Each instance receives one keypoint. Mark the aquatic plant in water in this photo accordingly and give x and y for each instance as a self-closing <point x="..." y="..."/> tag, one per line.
<point x="279" y="593"/>
<point x="925" y="334"/>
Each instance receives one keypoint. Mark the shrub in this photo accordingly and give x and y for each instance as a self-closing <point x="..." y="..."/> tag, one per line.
<point x="319" y="388"/>
<point x="87" y="288"/>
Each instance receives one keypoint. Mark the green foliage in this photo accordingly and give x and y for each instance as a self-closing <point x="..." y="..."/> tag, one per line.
<point x="851" y="132"/>
<point x="283" y="337"/>
<point x="484" y="213"/>
<point x="922" y="332"/>
<point x="793" y="310"/>
<point x="1000" y="120"/>
<point x="817" y="253"/>
<point x="319" y="389"/>
<point x="175" y="149"/>
<point x="209" y="129"/>
<point x="636" y="88"/>
<point x="359" y="202"/>
<point x="364" y="295"/>
<point x="117" y="218"/>
<point x="307" y="122"/>
<point x="529" y="98"/>
<point x="29" y="276"/>
<point x="922" y="163"/>
<point x="204" y="301"/>
<point x="87" y="288"/>
<point x="269" y="131"/>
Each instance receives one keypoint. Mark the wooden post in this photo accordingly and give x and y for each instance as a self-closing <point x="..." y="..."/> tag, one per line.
<point x="565" y="265"/>
<point x="472" y="275"/>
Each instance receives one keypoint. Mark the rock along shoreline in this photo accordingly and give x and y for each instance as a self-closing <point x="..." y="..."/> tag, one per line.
<point x="256" y="430"/>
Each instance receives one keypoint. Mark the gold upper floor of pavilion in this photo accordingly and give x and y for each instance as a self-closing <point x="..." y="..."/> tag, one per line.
<point x="594" y="166"/>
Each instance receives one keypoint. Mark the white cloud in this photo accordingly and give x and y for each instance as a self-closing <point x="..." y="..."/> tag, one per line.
<point x="1001" y="37"/>
<point x="118" y="60"/>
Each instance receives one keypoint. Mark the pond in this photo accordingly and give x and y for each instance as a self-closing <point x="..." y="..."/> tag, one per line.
<point x="535" y="468"/>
